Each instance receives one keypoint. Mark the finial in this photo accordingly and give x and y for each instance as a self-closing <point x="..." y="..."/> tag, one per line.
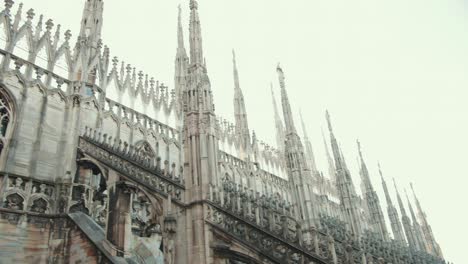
<point x="140" y="77"/>
<point x="122" y="69"/>
<point x="8" y="5"/>
<point x="128" y="68"/>
<point x="30" y="15"/>
<point x="106" y="52"/>
<point x="193" y="5"/>
<point x="134" y="74"/>
<point x="146" y="82"/>
<point x="49" y="25"/>
<point x="173" y="95"/>
<point x="67" y="35"/>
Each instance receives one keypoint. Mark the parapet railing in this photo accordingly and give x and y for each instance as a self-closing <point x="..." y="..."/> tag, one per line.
<point x="127" y="160"/>
<point x="280" y="238"/>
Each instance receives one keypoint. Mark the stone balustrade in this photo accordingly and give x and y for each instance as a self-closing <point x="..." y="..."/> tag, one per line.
<point x="126" y="159"/>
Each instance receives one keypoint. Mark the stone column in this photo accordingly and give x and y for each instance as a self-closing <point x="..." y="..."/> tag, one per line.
<point x="331" y="248"/>
<point x="170" y="227"/>
<point x="119" y="228"/>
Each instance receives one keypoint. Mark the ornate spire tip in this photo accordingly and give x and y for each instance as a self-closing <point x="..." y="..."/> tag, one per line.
<point x="193" y="5"/>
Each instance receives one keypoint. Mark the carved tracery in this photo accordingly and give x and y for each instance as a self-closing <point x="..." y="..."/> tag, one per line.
<point x="6" y="117"/>
<point x="14" y="201"/>
<point x="146" y="152"/>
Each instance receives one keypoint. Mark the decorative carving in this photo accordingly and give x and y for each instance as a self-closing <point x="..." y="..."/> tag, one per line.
<point x="169" y="247"/>
<point x="5" y="119"/>
<point x="140" y="174"/>
<point x="14" y="201"/>
<point x="39" y="206"/>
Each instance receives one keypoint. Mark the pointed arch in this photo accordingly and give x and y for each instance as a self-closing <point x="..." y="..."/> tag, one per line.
<point x="62" y="62"/>
<point x="112" y="89"/>
<point x="22" y="46"/>
<point x="152" y="111"/>
<point x="39" y="205"/>
<point x="127" y="97"/>
<point x="7" y="122"/>
<point x="42" y="57"/>
<point x="172" y="119"/>
<point x="14" y="201"/>
<point x="139" y="104"/>
<point x="4" y="34"/>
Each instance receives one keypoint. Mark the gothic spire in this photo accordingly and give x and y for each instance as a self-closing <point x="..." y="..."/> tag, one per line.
<point x="334" y="143"/>
<point x="308" y="145"/>
<point x="411" y="238"/>
<point x="364" y="171"/>
<point x="395" y="223"/>
<point x="400" y="201"/>
<point x="346" y="190"/>
<point x="296" y="163"/>
<point x="418" y="205"/>
<point x="236" y="73"/>
<point x="89" y="41"/>
<point x="199" y="97"/>
<point x="416" y="227"/>
<point x="91" y="22"/>
<point x="384" y="185"/>
<point x="242" y="127"/>
<point x="280" y="137"/>
<point x="181" y="64"/>
<point x="287" y="113"/>
<point x="413" y="215"/>
<point x="331" y="165"/>
<point x="373" y="203"/>
<point x="433" y="246"/>
<point x="196" y="47"/>
<point x="180" y="34"/>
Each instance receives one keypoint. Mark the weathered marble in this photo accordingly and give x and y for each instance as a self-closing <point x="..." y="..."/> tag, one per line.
<point x="101" y="163"/>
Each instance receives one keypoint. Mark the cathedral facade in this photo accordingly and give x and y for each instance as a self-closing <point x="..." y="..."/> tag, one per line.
<point x="101" y="163"/>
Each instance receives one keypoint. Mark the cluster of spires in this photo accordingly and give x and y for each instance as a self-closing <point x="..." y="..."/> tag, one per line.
<point x="88" y="61"/>
<point x="417" y="232"/>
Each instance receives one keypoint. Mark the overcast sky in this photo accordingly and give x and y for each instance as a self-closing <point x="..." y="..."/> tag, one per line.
<point x="392" y="73"/>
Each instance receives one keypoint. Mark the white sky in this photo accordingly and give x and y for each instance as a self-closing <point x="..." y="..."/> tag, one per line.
<point x="392" y="73"/>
